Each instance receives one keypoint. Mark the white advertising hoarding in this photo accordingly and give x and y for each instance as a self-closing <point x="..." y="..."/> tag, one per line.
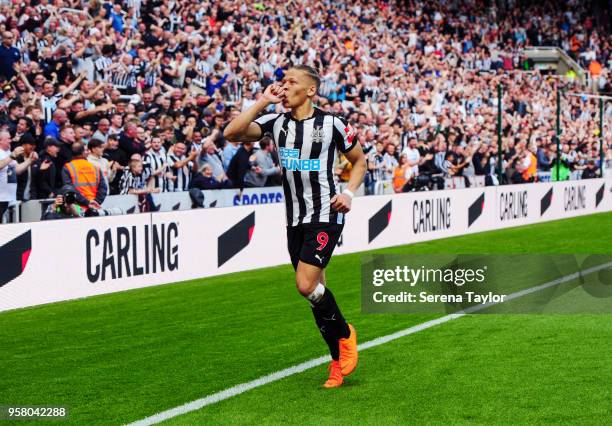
<point x="45" y="262"/>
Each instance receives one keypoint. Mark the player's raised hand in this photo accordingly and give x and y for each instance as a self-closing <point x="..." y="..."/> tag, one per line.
<point x="341" y="203"/>
<point x="274" y="93"/>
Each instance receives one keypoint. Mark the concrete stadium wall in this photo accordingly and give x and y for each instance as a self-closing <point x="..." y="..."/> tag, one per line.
<point x="45" y="262"/>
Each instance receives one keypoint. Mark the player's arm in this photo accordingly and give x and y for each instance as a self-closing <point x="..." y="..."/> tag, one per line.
<point x="243" y="128"/>
<point x="351" y="149"/>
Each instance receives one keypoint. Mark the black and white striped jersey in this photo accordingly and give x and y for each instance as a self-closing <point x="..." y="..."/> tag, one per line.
<point x="182" y="174"/>
<point x="102" y="66"/>
<point x="125" y="77"/>
<point x="49" y="105"/>
<point x="308" y="150"/>
<point x="153" y="161"/>
<point x="204" y="67"/>
<point x="131" y="181"/>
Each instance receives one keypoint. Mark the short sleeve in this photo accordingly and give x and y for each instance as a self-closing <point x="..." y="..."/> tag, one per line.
<point x="266" y="123"/>
<point x="344" y="135"/>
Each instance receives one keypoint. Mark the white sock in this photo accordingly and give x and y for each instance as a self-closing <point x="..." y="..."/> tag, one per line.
<point x="316" y="294"/>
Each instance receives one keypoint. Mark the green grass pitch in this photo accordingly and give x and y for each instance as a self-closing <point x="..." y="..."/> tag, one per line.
<point x="117" y="358"/>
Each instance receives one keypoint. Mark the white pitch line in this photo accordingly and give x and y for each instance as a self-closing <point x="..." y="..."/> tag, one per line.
<point x="296" y="369"/>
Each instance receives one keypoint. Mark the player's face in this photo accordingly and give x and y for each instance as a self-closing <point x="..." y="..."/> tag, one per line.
<point x="299" y="88"/>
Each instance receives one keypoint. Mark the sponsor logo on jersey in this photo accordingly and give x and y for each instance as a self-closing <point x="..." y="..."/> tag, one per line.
<point x="290" y="160"/>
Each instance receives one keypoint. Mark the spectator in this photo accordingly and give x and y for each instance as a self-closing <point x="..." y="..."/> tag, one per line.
<point x="430" y="74"/>
<point x="85" y="178"/>
<point x="103" y="130"/>
<point x="229" y="151"/>
<point x="67" y="138"/>
<point x="24" y="180"/>
<point x="53" y="127"/>
<point x="389" y="162"/>
<point x="590" y="172"/>
<point x="181" y="166"/>
<point x="45" y="171"/>
<point x="264" y="166"/>
<point x="116" y="125"/>
<point x="482" y="162"/>
<point x="530" y="166"/>
<point x="135" y="181"/>
<point x="402" y="175"/>
<point x="15" y="113"/>
<point x="117" y="161"/>
<point x="375" y="168"/>
<point x="413" y="156"/>
<point x="215" y="159"/>
<point x="206" y="180"/>
<point x="128" y="141"/>
<point x="9" y="170"/>
<point x="155" y="163"/>
<point x="240" y="165"/>
<point x="543" y="157"/>
<point x="95" y="157"/>
<point x="9" y="56"/>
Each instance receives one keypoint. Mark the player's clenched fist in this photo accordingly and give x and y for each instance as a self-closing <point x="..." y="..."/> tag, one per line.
<point x="341" y="203"/>
<point x="274" y="93"/>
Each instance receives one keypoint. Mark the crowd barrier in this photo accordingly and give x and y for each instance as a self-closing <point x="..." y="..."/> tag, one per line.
<point x="46" y="262"/>
<point x="458" y="182"/>
<point x="31" y="211"/>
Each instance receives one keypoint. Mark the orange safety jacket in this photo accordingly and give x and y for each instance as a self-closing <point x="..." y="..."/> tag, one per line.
<point x="85" y="177"/>
<point x="531" y="171"/>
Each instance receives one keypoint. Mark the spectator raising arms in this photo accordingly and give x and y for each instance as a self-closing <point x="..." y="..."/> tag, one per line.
<point x="161" y="81"/>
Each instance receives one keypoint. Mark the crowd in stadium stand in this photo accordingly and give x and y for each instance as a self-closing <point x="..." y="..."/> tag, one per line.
<point x="147" y="86"/>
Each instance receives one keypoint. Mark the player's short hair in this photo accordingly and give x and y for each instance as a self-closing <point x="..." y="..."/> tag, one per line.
<point x="311" y="72"/>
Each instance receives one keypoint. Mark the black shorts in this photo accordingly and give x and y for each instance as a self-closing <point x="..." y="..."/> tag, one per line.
<point x="313" y="243"/>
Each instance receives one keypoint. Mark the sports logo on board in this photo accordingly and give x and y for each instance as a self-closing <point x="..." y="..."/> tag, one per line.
<point x="599" y="195"/>
<point x="475" y="210"/>
<point x="379" y="221"/>
<point x="15" y="255"/>
<point x="232" y="241"/>
<point x="546" y="201"/>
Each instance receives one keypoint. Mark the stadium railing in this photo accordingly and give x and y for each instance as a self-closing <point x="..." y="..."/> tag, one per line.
<point x="32" y="211"/>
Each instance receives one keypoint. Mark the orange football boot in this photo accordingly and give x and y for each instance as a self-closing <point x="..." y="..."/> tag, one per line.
<point x="348" y="352"/>
<point x="335" y="375"/>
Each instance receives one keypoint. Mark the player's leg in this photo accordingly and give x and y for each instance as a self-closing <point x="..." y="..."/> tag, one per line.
<point x="327" y="315"/>
<point x="295" y="240"/>
<point x="308" y="278"/>
<point x="317" y="249"/>
<point x="319" y="243"/>
<point x="325" y="310"/>
<point x="347" y="347"/>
